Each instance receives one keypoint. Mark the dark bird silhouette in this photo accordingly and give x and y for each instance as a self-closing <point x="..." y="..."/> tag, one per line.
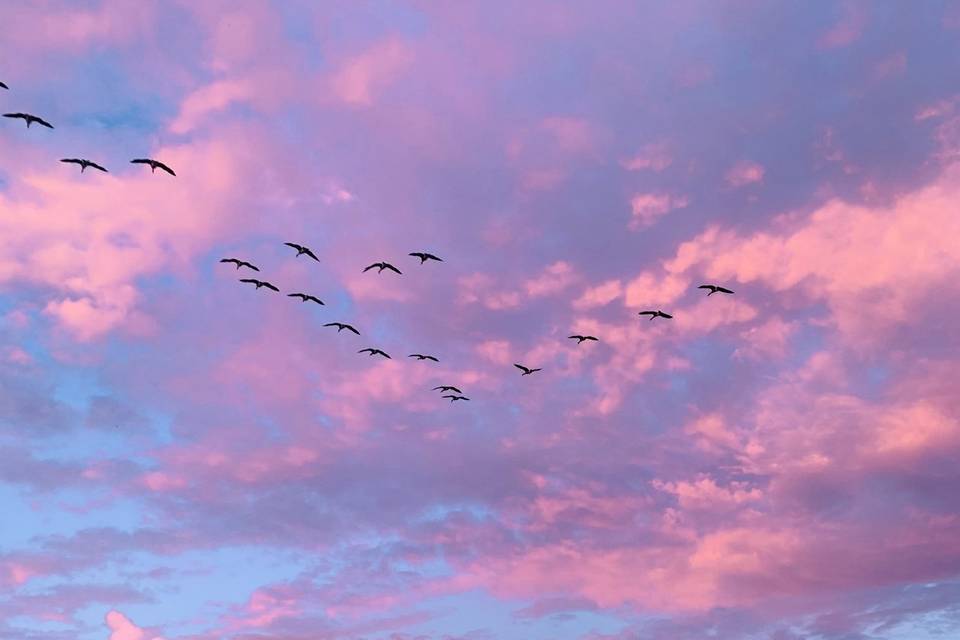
<point x="260" y="283"/>
<point x="425" y="256"/>
<point x="30" y="119"/>
<point x="455" y="398"/>
<point x="305" y="297"/>
<point x="580" y="339"/>
<point x="301" y="250"/>
<point x="526" y="370"/>
<point x="444" y="388"/>
<point x="239" y="263"/>
<point x="154" y="165"/>
<point x="714" y="288"/>
<point x="374" y="352"/>
<point x="83" y="164"/>
<point x="655" y="314"/>
<point x="341" y="326"/>
<point x="3" y="86"/>
<point x="420" y="356"/>
<point x="381" y="266"/>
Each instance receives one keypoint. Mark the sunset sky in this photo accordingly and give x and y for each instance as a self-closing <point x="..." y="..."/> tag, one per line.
<point x="183" y="457"/>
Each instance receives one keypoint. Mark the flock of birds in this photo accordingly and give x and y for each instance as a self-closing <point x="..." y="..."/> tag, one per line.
<point x="450" y="392"/>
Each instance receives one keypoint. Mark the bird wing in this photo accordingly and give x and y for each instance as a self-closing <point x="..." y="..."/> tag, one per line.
<point x="96" y="166"/>
<point x="430" y="256"/>
<point x="316" y="299"/>
<point x="71" y="160"/>
<point x="665" y="315"/>
<point x="384" y="354"/>
<point x="373" y="266"/>
<point x="705" y="286"/>
<point x="296" y="295"/>
<point x="4" y="86"/>
<point x="431" y="358"/>
<point x="724" y="289"/>
<point x="574" y="337"/>
<point x="15" y="115"/>
<point x="532" y="370"/>
<point x="43" y="122"/>
<point x="247" y="264"/>
<point x="140" y="161"/>
<point x="223" y="259"/>
<point x="387" y="265"/>
<point x="366" y="350"/>
<point x="332" y="324"/>
<point x="350" y="328"/>
<point x="167" y="169"/>
<point x="440" y="388"/>
<point x="295" y="246"/>
<point x="590" y="338"/>
<point x="310" y="253"/>
<point x="250" y="280"/>
<point x="417" y="254"/>
<point x="414" y="355"/>
<point x="452" y="397"/>
<point x="270" y="286"/>
<point x="521" y="367"/>
<point x="647" y="313"/>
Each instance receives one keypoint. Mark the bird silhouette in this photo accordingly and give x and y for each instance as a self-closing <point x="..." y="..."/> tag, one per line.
<point x="304" y="297"/>
<point x="301" y="250"/>
<point x="381" y="266"/>
<point x="3" y="86"/>
<point x="445" y="387"/>
<point x="425" y="256"/>
<point x="420" y="356"/>
<point x="580" y="339"/>
<point x="154" y="165"/>
<point x="526" y="370"/>
<point x="341" y="326"/>
<point x="239" y="263"/>
<point x="374" y="352"/>
<point x="83" y="164"/>
<point x="655" y="314"/>
<point x="714" y="288"/>
<point x="30" y="119"/>
<point x="455" y="398"/>
<point x="260" y="283"/>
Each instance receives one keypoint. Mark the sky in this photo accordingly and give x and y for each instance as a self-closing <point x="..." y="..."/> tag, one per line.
<point x="185" y="457"/>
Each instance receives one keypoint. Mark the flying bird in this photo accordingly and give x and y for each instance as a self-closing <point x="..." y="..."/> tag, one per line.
<point x="381" y="266"/>
<point x="420" y="356"/>
<point x="30" y="119"/>
<point x="239" y="263"/>
<point x="301" y="250"/>
<point x="305" y="297"/>
<point x="83" y="164"/>
<point x="154" y="165"/>
<point x="3" y="86"/>
<point x="655" y="314"/>
<point x="526" y="370"/>
<point x="374" y="352"/>
<point x="260" y="283"/>
<point x="580" y="339"/>
<point x="455" y="398"/>
<point x="714" y="288"/>
<point x="341" y="326"/>
<point x="444" y="388"/>
<point x="425" y="256"/>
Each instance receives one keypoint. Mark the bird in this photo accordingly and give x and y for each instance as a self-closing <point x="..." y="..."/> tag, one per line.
<point x="374" y="352"/>
<point x="445" y="387"/>
<point x="455" y="398"/>
<point x="301" y="250"/>
<point x="655" y="314"/>
<point x="304" y="297"/>
<point x="30" y="119"/>
<point x="381" y="266"/>
<point x="2" y="85"/>
<point x="714" y="288"/>
<point x="83" y="164"/>
<point x="425" y="256"/>
<point x="580" y="339"/>
<point x="526" y="370"/>
<point x="420" y="356"/>
<point x="260" y="283"/>
<point x="341" y="326"/>
<point x="239" y="263"/>
<point x="154" y="165"/>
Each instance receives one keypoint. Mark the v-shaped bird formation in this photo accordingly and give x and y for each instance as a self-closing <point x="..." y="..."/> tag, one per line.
<point x="302" y="250"/>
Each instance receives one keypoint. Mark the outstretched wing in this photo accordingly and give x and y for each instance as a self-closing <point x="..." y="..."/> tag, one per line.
<point x="270" y="286"/>
<point x="165" y="168"/>
<point x="384" y="354"/>
<point x="72" y="160"/>
<point x="350" y="328"/>
<point x="241" y="263"/>
<point x="230" y="260"/>
<point x="96" y="166"/>
<point x="522" y="368"/>
<point x="250" y="280"/>
<point x="314" y="299"/>
<point x="373" y="266"/>
<point x="295" y="246"/>
<point x="430" y="256"/>
<point x="706" y="286"/>
<point x="724" y="290"/>
<point x="22" y="116"/>
<point x="4" y="86"/>
<point x="140" y="161"/>
<point x="368" y="349"/>
<point x="590" y="338"/>
<point x="665" y="315"/>
<point x="310" y="253"/>
<point x="387" y="265"/>
<point x="43" y="122"/>
<point x="431" y="358"/>
<point x="297" y="295"/>
<point x="334" y="324"/>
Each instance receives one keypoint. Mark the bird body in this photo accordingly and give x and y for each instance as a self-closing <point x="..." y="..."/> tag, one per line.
<point x="84" y="163"/>
<point x="302" y="250"/>
<point x="455" y="398"/>
<point x="445" y="387"/>
<point x="526" y="370"/>
<point x="30" y="119"/>
<point x="341" y="326"/>
<point x="580" y="339"/>
<point x="375" y="352"/>
<point x="305" y="297"/>
<point x="420" y="356"/>
<point x="714" y="289"/>
<point x="154" y="165"/>
<point x="239" y="263"/>
<point x="260" y="283"/>
<point x="380" y="266"/>
<point x="656" y="314"/>
<point x="424" y="256"/>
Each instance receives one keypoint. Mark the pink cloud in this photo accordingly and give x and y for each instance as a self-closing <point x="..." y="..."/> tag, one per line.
<point x="554" y="279"/>
<point x="655" y="157"/>
<point x="573" y="135"/>
<point x="599" y="295"/>
<point x="122" y="628"/>
<point x="744" y="173"/>
<point x="647" y="208"/>
<point x="359" y="77"/>
<point x="848" y="29"/>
